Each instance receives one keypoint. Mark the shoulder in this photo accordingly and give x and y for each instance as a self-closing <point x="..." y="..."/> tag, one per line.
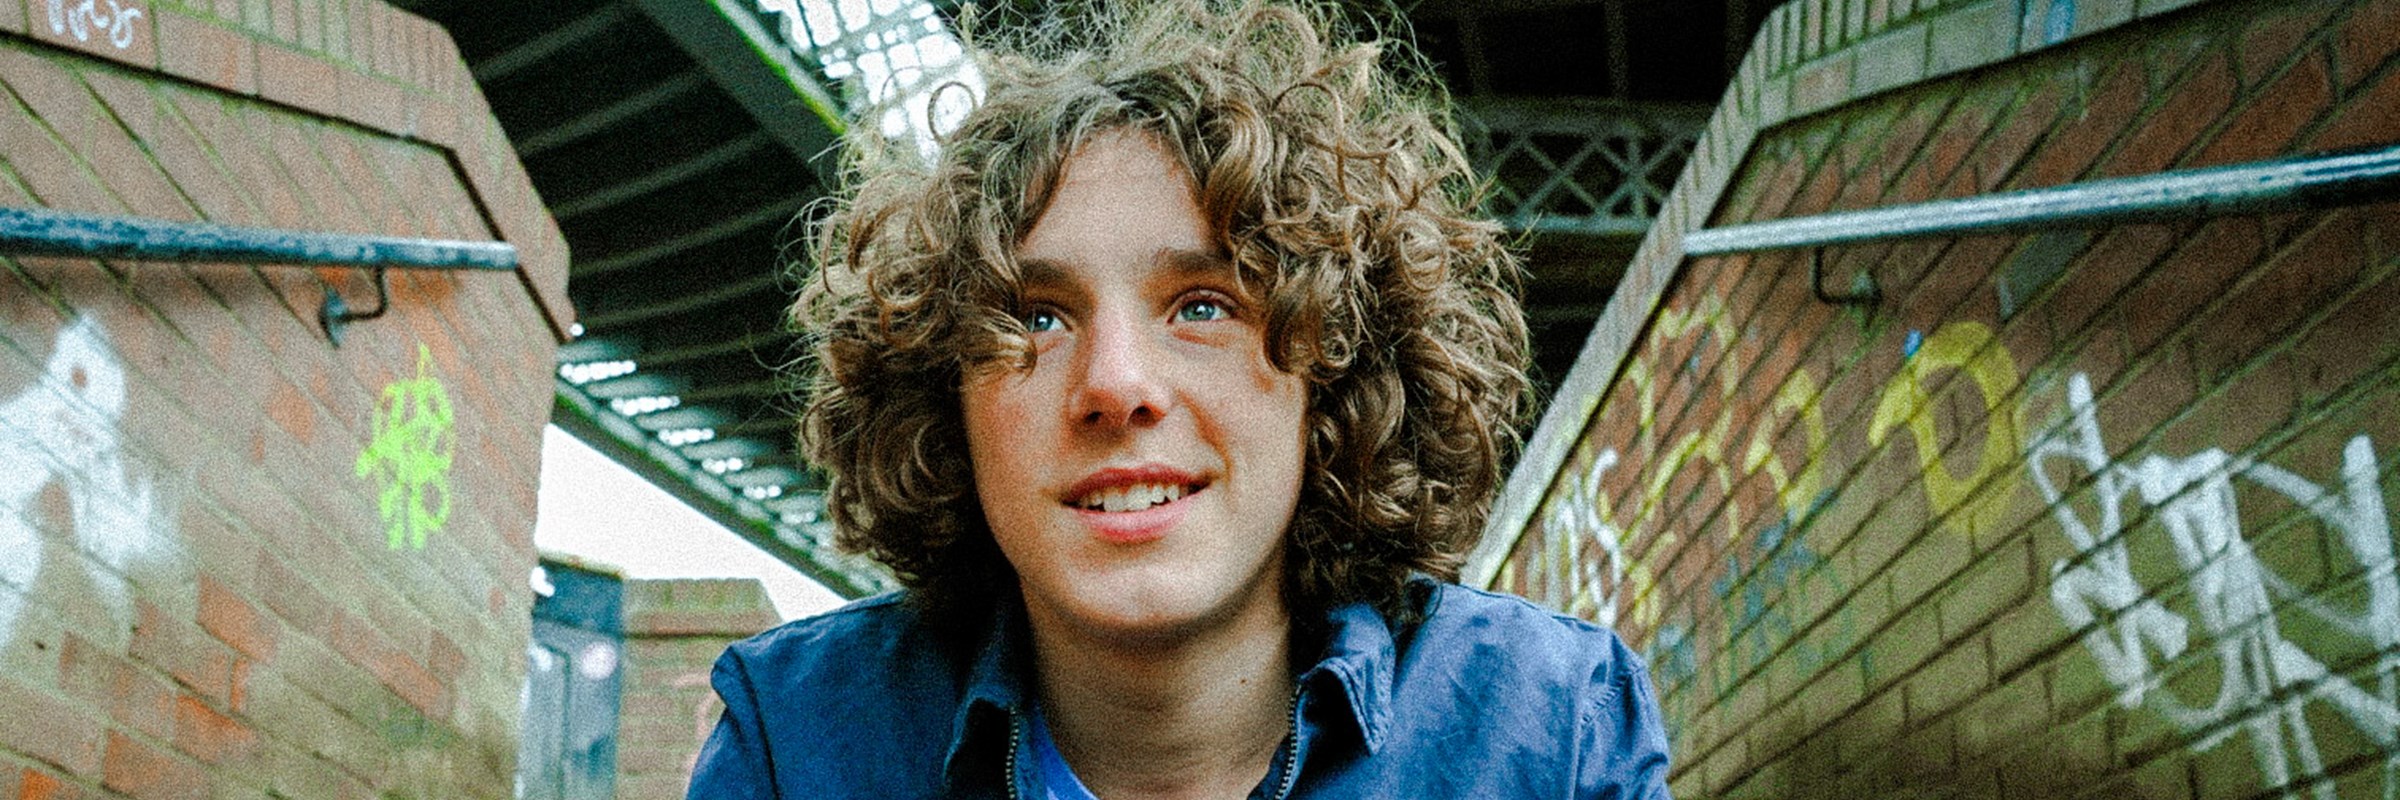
<point x="853" y="702"/>
<point x="1488" y="675"/>
<point x="1524" y="646"/>
<point x="876" y="640"/>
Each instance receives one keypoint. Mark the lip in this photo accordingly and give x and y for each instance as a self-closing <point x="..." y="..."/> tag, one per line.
<point x="1132" y="527"/>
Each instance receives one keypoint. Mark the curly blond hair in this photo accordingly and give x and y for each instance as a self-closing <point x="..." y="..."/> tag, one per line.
<point x="1334" y="180"/>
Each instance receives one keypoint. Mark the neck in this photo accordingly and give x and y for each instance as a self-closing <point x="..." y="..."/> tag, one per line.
<point x="1200" y="716"/>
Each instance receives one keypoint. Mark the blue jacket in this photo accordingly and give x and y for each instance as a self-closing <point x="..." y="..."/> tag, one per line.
<point x="1487" y="697"/>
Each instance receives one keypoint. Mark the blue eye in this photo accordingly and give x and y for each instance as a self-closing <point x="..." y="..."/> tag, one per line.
<point x="1041" y="320"/>
<point x="1201" y="310"/>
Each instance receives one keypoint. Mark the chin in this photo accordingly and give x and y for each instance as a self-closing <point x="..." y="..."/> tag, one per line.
<point x="1154" y="614"/>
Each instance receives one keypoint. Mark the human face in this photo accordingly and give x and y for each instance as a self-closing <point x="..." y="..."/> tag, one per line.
<point x="1141" y="474"/>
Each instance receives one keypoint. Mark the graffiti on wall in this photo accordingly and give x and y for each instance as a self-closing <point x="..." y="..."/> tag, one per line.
<point x="409" y="457"/>
<point x="85" y="20"/>
<point x="62" y="433"/>
<point x="2265" y="681"/>
<point x="1595" y="588"/>
<point x="1963" y="504"/>
<point x="1592" y="565"/>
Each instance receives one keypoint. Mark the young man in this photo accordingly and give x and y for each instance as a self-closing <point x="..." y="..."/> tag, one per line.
<point x="1172" y="388"/>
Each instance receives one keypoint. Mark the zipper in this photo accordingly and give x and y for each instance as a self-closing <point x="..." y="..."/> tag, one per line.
<point x="1291" y="753"/>
<point x="1016" y="740"/>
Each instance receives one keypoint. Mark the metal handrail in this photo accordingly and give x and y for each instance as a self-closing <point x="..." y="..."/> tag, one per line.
<point x="2297" y="183"/>
<point x="41" y="231"/>
<point x="49" y="232"/>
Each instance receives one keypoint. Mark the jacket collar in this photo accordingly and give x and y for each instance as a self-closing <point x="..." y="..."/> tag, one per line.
<point x="995" y="691"/>
<point x="1357" y="660"/>
<point x="1359" y="651"/>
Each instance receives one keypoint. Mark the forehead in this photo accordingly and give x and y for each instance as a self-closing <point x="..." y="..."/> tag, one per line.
<point x="1120" y="200"/>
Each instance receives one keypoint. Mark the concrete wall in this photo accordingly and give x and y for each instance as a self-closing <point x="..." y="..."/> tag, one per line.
<point x="236" y="561"/>
<point x="2079" y="513"/>
<point x="674" y="630"/>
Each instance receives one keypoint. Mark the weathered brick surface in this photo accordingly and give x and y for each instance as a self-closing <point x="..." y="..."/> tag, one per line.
<point x="674" y="630"/>
<point x="200" y="593"/>
<point x="2087" y="513"/>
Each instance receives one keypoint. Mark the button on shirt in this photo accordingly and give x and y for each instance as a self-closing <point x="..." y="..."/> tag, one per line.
<point x="1484" y="696"/>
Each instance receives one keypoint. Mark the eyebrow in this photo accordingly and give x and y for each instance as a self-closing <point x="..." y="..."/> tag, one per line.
<point x="1178" y="263"/>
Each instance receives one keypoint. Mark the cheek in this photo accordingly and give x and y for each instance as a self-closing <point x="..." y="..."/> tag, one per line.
<point x="1273" y="420"/>
<point x="999" y="429"/>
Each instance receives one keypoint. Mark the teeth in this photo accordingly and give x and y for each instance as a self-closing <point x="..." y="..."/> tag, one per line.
<point x="1132" y="498"/>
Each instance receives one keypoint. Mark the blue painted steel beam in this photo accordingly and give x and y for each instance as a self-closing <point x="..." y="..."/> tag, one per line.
<point x="41" y="231"/>
<point x="2297" y="183"/>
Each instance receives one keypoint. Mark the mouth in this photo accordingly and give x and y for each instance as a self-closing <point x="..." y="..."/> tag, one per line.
<point x="1133" y="497"/>
<point x="1124" y="490"/>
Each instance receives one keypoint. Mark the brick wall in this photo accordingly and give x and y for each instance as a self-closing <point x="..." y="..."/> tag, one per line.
<point x="2079" y="513"/>
<point x="674" y="630"/>
<point x="236" y="561"/>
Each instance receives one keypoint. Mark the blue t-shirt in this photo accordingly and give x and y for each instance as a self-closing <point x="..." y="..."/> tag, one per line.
<point x="1050" y="770"/>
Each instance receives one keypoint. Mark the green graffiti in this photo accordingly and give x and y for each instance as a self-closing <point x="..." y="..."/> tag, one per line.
<point x="409" y="457"/>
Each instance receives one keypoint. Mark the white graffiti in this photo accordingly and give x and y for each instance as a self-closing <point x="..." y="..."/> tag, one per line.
<point x="2264" y="679"/>
<point x="83" y="19"/>
<point x="64" y="429"/>
<point x="1582" y="586"/>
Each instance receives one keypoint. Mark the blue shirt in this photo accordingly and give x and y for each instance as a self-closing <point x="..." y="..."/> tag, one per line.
<point x="1050" y="770"/>
<point x="1486" y="696"/>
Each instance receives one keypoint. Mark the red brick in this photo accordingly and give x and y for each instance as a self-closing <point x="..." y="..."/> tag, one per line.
<point x="2366" y="41"/>
<point x="2199" y="99"/>
<point x="2299" y="282"/>
<point x="307" y="167"/>
<point x="2274" y="117"/>
<point x="298" y="79"/>
<point x="446" y="661"/>
<point x="312" y="25"/>
<point x="376" y="103"/>
<point x="243" y="156"/>
<point x="2279" y="33"/>
<point x="364" y="646"/>
<point x="1822" y="84"/>
<point x="2117" y="259"/>
<point x="182" y="651"/>
<point x="205" y="51"/>
<point x="135" y="698"/>
<point x="56" y="178"/>
<point x="2368" y="119"/>
<point x="38" y="785"/>
<point x="2011" y="143"/>
<point x="285" y="17"/>
<point x="234" y="620"/>
<point x="63" y="103"/>
<point x="1964" y="131"/>
<point x="2068" y="153"/>
<point x="143" y="772"/>
<point x="211" y="737"/>
<point x="292" y="412"/>
<point x="172" y="146"/>
<point x="49" y="730"/>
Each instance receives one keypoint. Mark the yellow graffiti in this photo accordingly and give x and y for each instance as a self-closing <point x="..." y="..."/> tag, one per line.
<point x="1971" y="347"/>
<point x="410" y="456"/>
<point x="1706" y="445"/>
<point x="1793" y="493"/>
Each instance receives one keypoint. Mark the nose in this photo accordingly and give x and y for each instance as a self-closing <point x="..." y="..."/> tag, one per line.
<point x="1123" y="376"/>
